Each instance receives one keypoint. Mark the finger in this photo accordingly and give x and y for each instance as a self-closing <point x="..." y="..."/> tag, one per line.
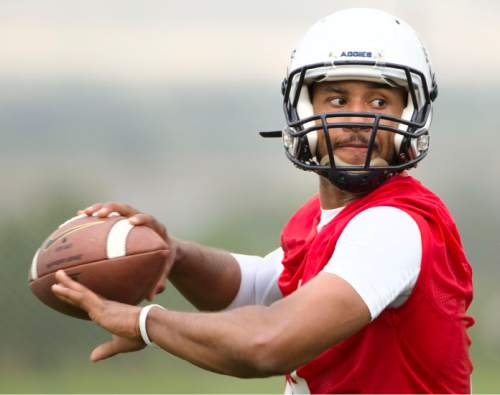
<point x="121" y="208"/>
<point x="90" y="209"/>
<point x="160" y="284"/>
<point x="103" y="351"/>
<point x="158" y="289"/>
<point x="139" y="219"/>
<point x="150" y="221"/>
<point x="76" y="293"/>
<point x="67" y="295"/>
<point x="68" y="282"/>
<point x="55" y="290"/>
<point x="116" y="346"/>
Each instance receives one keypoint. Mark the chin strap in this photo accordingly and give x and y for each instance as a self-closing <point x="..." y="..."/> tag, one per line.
<point x="357" y="182"/>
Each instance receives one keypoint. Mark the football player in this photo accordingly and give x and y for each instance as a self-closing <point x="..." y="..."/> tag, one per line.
<point x="369" y="289"/>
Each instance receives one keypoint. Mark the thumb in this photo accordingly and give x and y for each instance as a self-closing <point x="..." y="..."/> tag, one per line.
<point x="103" y="351"/>
<point x="115" y="346"/>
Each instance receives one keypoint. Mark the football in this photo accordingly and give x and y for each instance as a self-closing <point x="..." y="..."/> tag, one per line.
<point x="110" y="256"/>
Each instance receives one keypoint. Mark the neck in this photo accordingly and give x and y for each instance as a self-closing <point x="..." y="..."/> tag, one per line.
<point x="331" y="196"/>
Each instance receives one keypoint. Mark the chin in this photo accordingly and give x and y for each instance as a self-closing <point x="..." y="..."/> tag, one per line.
<point x="346" y="160"/>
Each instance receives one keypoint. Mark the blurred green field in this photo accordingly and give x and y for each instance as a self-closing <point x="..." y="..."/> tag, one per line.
<point x="150" y="371"/>
<point x="486" y="378"/>
<point x="158" y="373"/>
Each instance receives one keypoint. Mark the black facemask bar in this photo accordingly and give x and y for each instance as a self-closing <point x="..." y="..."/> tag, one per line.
<point x="290" y="103"/>
<point x="307" y="161"/>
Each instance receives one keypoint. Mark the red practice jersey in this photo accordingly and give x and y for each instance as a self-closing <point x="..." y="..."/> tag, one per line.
<point x="420" y="347"/>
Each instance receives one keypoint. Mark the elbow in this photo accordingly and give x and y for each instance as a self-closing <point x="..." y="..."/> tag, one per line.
<point x="265" y="356"/>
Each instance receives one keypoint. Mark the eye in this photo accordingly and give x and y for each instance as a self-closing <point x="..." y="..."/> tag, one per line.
<point x="378" y="103"/>
<point x="337" y="101"/>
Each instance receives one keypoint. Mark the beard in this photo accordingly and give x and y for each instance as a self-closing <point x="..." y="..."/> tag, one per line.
<point x="375" y="162"/>
<point x="354" y="138"/>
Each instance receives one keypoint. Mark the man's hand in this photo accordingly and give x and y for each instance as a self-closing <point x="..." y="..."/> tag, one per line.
<point x="138" y="218"/>
<point x="119" y="319"/>
<point x="207" y="277"/>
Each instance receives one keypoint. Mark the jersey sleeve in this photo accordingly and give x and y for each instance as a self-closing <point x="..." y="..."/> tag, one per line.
<point x="379" y="254"/>
<point x="259" y="279"/>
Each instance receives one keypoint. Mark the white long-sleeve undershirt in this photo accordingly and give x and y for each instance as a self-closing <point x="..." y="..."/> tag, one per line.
<point x="378" y="253"/>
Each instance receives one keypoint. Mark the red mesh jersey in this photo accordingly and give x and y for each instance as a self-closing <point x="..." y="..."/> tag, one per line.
<point x="420" y="347"/>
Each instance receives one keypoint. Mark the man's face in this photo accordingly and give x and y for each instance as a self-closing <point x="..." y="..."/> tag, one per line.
<point x="350" y="145"/>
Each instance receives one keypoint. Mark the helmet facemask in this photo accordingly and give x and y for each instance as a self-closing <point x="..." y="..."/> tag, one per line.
<point x="411" y="135"/>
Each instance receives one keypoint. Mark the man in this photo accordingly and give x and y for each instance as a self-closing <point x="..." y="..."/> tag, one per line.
<point x="369" y="289"/>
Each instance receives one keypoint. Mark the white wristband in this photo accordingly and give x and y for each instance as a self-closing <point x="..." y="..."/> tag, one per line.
<point x="143" y="316"/>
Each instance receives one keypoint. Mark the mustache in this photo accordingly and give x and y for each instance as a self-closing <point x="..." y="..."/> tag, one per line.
<point x="354" y="139"/>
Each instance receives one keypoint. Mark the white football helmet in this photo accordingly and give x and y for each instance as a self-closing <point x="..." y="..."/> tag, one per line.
<point x="366" y="45"/>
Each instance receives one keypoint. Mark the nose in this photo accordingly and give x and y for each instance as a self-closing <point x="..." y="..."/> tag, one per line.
<point x="357" y="107"/>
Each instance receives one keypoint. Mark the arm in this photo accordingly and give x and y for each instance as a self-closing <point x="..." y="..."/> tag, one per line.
<point x="258" y="341"/>
<point x="253" y="341"/>
<point x="226" y="280"/>
<point x="209" y="278"/>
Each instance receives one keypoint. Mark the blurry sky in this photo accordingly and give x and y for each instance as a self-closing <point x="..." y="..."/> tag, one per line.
<point x="86" y="81"/>
<point x="220" y="40"/>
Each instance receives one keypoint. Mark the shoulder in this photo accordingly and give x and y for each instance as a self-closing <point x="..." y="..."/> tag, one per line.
<point x="379" y="254"/>
<point x="387" y="226"/>
<point x="382" y="217"/>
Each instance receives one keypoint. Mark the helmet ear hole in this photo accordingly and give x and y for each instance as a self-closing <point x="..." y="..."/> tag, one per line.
<point x="401" y="143"/>
<point x="305" y="110"/>
<point x="398" y="140"/>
